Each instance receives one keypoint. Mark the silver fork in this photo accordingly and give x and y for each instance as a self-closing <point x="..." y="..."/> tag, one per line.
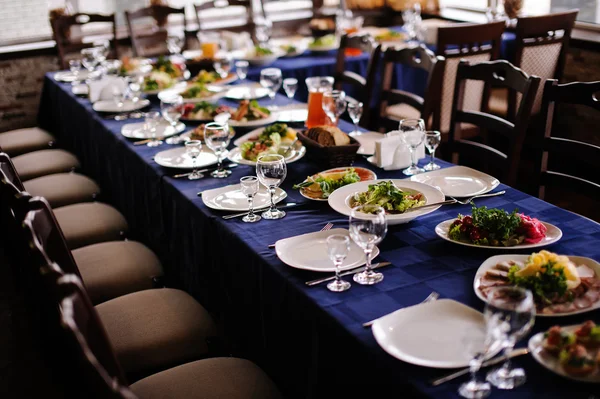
<point x="432" y="297"/>
<point x="328" y="226"/>
<point x="466" y="201"/>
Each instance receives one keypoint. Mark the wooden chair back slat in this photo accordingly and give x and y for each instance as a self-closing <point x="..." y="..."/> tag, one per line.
<point x="491" y="122"/>
<point x="208" y="5"/>
<point x="144" y="44"/>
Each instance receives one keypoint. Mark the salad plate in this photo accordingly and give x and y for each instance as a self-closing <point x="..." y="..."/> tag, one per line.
<point x="253" y="123"/>
<point x="432" y="334"/>
<point x="198" y="133"/>
<point x="490" y="275"/>
<point x="309" y="252"/>
<point x="235" y="155"/>
<point x="324" y="44"/>
<point x="253" y="135"/>
<point x="261" y="55"/>
<point x="341" y="199"/>
<point x="178" y="158"/>
<point x="111" y="106"/>
<point x="458" y="181"/>
<point x="246" y="92"/>
<point x="276" y="138"/>
<point x="137" y="131"/>
<point x="203" y="111"/>
<point x="231" y="198"/>
<point x="204" y="94"/>
<point x="319" y="187"/>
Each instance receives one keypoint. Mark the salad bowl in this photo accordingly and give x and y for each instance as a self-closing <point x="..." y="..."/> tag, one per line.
<point x="340" y="199"/>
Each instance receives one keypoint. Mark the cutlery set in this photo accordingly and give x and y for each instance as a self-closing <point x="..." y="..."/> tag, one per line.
<point x="205" y="170"/>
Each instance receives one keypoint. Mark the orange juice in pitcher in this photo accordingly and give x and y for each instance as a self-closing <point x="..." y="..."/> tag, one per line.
<point x="316" y="87"/>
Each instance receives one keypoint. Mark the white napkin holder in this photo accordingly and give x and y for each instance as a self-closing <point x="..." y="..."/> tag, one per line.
<point x="104" y="89"/>
<point x="391" y="153"/>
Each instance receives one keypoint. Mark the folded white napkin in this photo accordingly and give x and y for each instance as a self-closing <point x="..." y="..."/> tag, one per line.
<point x="391" y="153"/>
<point x="236" y="41"/>
<point x="104" y="89"/>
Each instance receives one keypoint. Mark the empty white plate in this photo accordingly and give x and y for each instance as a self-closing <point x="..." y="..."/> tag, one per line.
<point x="433" y="334"/>
<point x="231" y="198"/>
<point x="309" y="252"/>
<point x="137" y="131"/>
<point x="178" y="158"/>
<point x="111" y="106"/>
<point x="458" y="181"/>
<point x="243" y="92"/>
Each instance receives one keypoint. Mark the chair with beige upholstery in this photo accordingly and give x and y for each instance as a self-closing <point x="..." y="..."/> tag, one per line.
<point x="45" y="162"/>
<point x="409" y="105"/>
<point x="146" y="43"/>
<point x="22" y="141"/>
<point x="542" y="43"/>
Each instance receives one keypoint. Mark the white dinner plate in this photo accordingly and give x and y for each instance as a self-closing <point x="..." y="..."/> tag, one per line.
<point x="367" y="142"/>
<point x="339" y="200"/>
<point x="80" y="90"/>
<point x="364" y="173"/>
<point x="263" y="60"/>
<point x="259" y="122"/>
<point x="297" y="153"/>
<point x="178" y="158"/>
<point x="231" y="198"/>
<point x="432" y="334"/>
<point x="128" y="106"/>
<point x="551" y="362"/>
<point x="68" y="76"/>
<point x="297" y="112"/>
<point x="179" y="88"/>
<point x="309" y="252"/>
<point x="245" y="92"/>
<point x="137" y="131"/>
<point x="553" y="234"/>
<point x="458" y="181"/>
<point x="494" y="260"/>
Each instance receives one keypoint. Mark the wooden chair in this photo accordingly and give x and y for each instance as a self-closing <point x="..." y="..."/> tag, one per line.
<point x="151" y="44"/>
<point x="407" y="104"/>
<point x="61" y="28"/>
<point x="365" y="44"/>
<point x="473" y="43"/>
<point x="207" y="5"/>
<point x="505" y="160"/>
<point x="562" y="159"/>
<point x="542" y="43"/>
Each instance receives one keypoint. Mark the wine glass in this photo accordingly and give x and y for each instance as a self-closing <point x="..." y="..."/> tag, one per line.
<point x="368" y="227"/>
<point x="263" y="28"/>
<point x="134" y="83"/>
<point x="270" y="78"/>
<point x="432" y="141"/>
<point x="355" y="110"/>
<point x="103" y="48"/>
<point x="412" y="133"/>
<point x="477" y="342"/>
<point x="222" y="65"/>
<point x="175" y="44"/>
<point x="216" y="136"/>
<point x="290" y="85"/>
<point x="151" y="120"/>
<point x="271" y="171"/>
<point x="338" y="246"/>
<point x="193" y="148"/>
<point x="118" y="96"/>
<point x="249" y="186"/>
<point x="241" y="69"/>
<point x="334" y="104"/>
<point x="75" y="68"/>
<point x="510" y="314"/>
<point x="89" y="60"/>
<point x="171" y="108"/>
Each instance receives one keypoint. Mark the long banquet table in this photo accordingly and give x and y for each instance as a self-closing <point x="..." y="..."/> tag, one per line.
<point x="309" y="340"/>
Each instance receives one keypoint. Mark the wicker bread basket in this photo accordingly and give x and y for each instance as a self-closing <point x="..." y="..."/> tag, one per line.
<point x="331" y="156"/>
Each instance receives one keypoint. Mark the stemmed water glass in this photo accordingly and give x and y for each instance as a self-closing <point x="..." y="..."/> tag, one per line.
<point x="222" y="65"/>
<point x="118" y="97"/>
<point x="75" y="68"/>
<point x="478" y="343"/>
<point x="193" y="148"/>
<point x="510" y="314"/>
<point x="171" y="109"/>
<point x="134" y="83"/>
<point x="175" y="44"/>
<point x="151" y="120"/>
<point x="216" y="136"/>
<point x="412" y="133"/>
<point x="263" y="29"/>
<point x="271" y="171"/>
<point x="241" y="69"/>
<point x="338" y="246"/>
<point x="432" y="141"/>
<point x="89" y="60"/>
<point x="270" y="78"/>
<point x="290" y="85"/>
<point x="355" y="110"/>
<point x="368" y="227"/>
<point x="249" y="186"/>
<point x="334" y="104"/>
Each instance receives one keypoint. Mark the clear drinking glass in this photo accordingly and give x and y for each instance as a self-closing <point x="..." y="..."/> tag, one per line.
<point x="334" y="104"/>
<point x="171" y="109"/>
<point x="134" y="83"/>
<point x="412" y="133"/>
<point x="477" y="343"/>
<point x="249" y="187"/>
<point x="270" y="78"/>
<point x="103" y="49"/>
<point x="338" y="246"/>
<point x="368" y="227"/>
<point x="151" y="121"/>
<point x="75" y="68"/>
<point x="355" y="110"/>
<point x="89" y="60"/>
<point x="193" y="149"/>
<point x="509" y="314"/>
<point x="118" y="97"/>
<point x="241" y="69"/>
<point x="216" y="137"/>
<point x="271" y="171"/>
<point x="222" y="65"/>
<point x="175" y="44"/>
<point x="290" y="85"/>
<point x="263" y="28"/>
<point x="432" y="141"/>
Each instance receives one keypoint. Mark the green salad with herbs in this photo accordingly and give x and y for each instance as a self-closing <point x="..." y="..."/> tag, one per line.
<point x="546" y="285"/>
<point x="323" y="184"/>
<point x="323" y="41"/>
<point x="262" y="51"/>
<point x="392" y="199"/>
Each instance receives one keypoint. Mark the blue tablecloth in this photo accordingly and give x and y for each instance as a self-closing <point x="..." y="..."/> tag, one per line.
<point x="309" y="340"/>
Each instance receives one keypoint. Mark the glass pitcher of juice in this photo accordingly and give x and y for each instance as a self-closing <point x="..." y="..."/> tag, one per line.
<point x="317" y="85"/>
<point x="209" y="43"/>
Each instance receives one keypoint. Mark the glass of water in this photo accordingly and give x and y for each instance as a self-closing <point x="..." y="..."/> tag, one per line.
<point x="151" y="121"/>
<point x="334" y="104"/>
<point x="89" y="60"/>
<point x="175" y="44"/>
<point x="118" y="97"/>
<point x="134" y="83"/>
<point x="75" y="68"/>
<point x="241" y="69"/>
<point x="355" y="110"/>
<point x="368" y="227"/>
<point x="290" y="85"/>
<point x="432" y="141"/>
<point x="271" y="171"/>
<point x="222" y="65"/>
<point x="193" y="149"/>
<point x="338" y="246"/>
<point x="171" y="109"/>
<point x="270" y="78"/>
<point x="249" y="186"/>
<point x="216" y="136"/>
<point x="412" y="133"/>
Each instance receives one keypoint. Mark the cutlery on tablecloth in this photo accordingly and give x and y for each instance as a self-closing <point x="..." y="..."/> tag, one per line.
<point x="346" y="273"/>
<point x="467" y="200"/>
<point x="123" y="116"/>
<point x="455" y="201"/>
<point x="230" y="166"/>
<point x="290" y="147"/>
<point x="328" y="226"/>
<point x="431" y="297"/>
<point x="284" y="206"/>
<point x="491" y="362"/>
<point x="146" y="141"/>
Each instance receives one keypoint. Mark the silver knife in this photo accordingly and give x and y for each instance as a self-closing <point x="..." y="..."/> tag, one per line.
<point x="491" y="362"/>
<point x="230" y="166"/>
<point x="284" y="206"/>
<point x="347" y="272"/>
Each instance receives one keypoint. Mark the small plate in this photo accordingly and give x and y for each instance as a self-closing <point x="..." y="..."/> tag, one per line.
<point x="259" y="122"/>
<point x="180" y="88"/>
<point x="128" y="106"/>
<point x="309" y="252"/>
<point x="494" y="260"/>
<point x="551" y="362"/>
<point x="244" y="92"/>
<point x="231" y="198"/>
<point x="292" y="113"/>
<point x="137" y="131"/>
<point x="553" y="234"/>
<point x="297" y="153"/>
<point x="367" y="142"/>
<point x="458" y="181"/>
<point x="178" y="158"/>
<point x="364" y="173"/>
<point x="431" y="334"/>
